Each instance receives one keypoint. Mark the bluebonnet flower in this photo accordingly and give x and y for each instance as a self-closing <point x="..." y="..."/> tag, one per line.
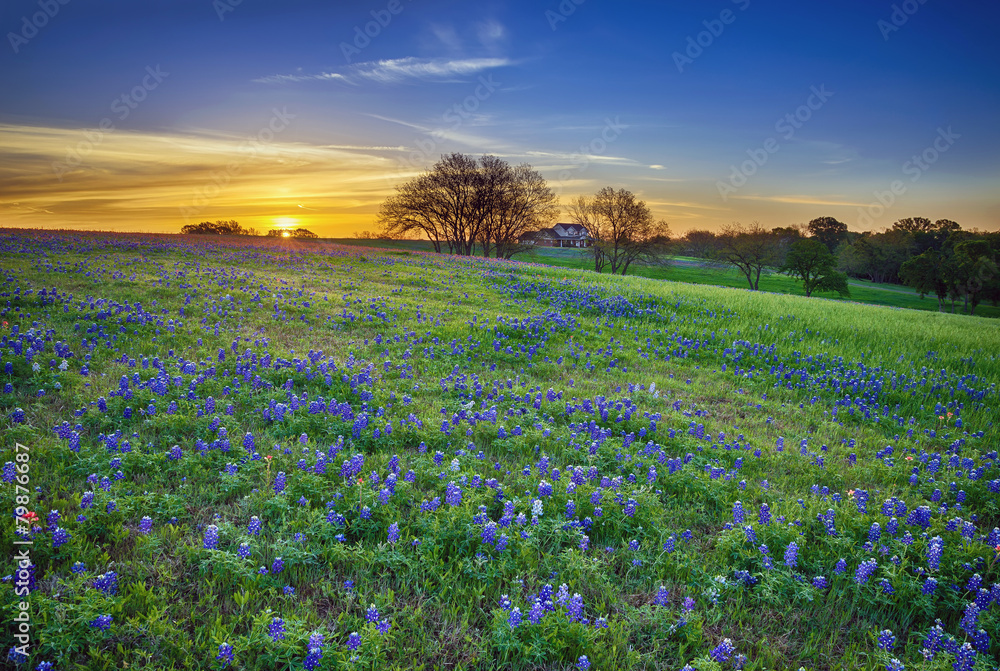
<point x="45" y="666"/>
<point x="875" y="532"/>
<point x="935" y="547"/>
<point x="372" y="615"/>
<point x="764" y="515"/>
<point x="383" y="626"/>
<point x="574" y="609"/>
<point x="393" y="533"/>
<point x="145" y="525"/>
<point x="723" y="651"/>
<point x="840" y="566"/>
<point x="453" y="494"/>
<point x="583" y="663"/>
<point x="78" y="567"/>
<point x="102" y="622"/>
<point x="15" y="656"/>
<point x="865" y="571"/>
<point x="886" y="640"/>
<point x="107" y="583"/>
<point x="820" y="582"/>
<point x="279" y="482"/>
<point x="894" y="665"/>
<point x="211" y="537"/>
<point x="514" y="620"/>
<point x="738" y="513"/>
<point x="886" y="586"/>
<point x="662" y="597"/>
<point x="225" y="654"/>
<point x="791" y="555"/>
<point x="277" y="566"/>
<point x="243" y="551"/>
<point x="353" y="641"/>
<point x="276" y="630"/>
<point x="965" y="658"/>
<point x="253" y="528"/>
<point x="60" y="537"/>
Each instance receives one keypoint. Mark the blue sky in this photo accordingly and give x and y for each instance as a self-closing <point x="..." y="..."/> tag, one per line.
<point x="712" y="112"/>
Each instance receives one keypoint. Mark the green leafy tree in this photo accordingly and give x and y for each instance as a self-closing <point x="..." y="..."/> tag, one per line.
<point x="928" y="273"/>
<point x="828" y="230"/>
<point x="811" y="262"/>
<point x="974" y="272"/>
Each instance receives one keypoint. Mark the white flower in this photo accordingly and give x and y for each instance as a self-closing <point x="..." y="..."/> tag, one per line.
<point x="64" y="365"/>
<point x="36" y="367"/>
<point x="536" y="507"/>
<point x="455" y="466"/>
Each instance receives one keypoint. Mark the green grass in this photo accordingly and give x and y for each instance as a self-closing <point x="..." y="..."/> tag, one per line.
<point x="413" y="340"/>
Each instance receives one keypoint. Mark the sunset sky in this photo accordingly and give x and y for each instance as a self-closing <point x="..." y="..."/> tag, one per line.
<point x="144" y="116"/>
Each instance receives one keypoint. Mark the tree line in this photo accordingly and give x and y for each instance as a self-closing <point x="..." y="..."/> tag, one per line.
<point x="465" y="206"/>
<point x="935" y="258"/>
<point x="233" y="227"/>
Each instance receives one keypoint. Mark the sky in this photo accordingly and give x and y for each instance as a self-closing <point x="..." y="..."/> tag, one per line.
<point x="146" y="116"/>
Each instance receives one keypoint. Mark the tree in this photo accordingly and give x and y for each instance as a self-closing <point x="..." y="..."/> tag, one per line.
<point x="928" y="273"/>
<point x="517" y="201"/>
<point x="462" y="202"/>
<point x="974" y="272"/>
<point x="877" y="256"/>
<point x="828" y="230"/>
<point x="291" y="233"/>
<point x="749" y="249"/>
<point x="810" y="261"/>
<point x="220" y="227"/>
<point x="622" y="229"/>
<point x="700" y="244"/>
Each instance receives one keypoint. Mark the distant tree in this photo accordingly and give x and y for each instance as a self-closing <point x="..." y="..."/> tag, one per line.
<point x="700" y="244"/>
<point x="914" y="225"/>
<point x="876" y="256"/>
<point x="749" y="249"/>
<point x="291" y="233"/>
<point x="974" y="272"/>
<point x="220" y="227"/>
<point x="928" y="273"/>
<point x="926" y="234"/>
<point x="622" y="228"/>
<point x="828" y="230"/>
<point x="810" y="261"/>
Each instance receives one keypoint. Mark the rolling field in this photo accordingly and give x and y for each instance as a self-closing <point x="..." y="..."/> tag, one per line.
<point x="268" y="454"/>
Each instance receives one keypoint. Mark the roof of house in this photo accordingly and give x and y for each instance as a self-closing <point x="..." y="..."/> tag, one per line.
<point x="568" y="230"/>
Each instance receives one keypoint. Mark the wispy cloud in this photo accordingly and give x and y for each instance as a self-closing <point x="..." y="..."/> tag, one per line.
<point x="398" y="71"/>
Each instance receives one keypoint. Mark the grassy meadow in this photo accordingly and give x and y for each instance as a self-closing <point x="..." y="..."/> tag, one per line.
<point x="271" y="454"/>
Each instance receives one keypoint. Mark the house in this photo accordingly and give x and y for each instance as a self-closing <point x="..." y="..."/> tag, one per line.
<point x="560" y="235"/>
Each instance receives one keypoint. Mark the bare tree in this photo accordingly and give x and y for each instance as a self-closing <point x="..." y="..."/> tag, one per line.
<point x="622" y="228"/>
<point x="462" y="202"/>
<point x="749" y="249"/>
<point x="517" y="201"/>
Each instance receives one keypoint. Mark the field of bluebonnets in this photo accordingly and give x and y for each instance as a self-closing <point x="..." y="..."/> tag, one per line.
<point x="268" y="455"/>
